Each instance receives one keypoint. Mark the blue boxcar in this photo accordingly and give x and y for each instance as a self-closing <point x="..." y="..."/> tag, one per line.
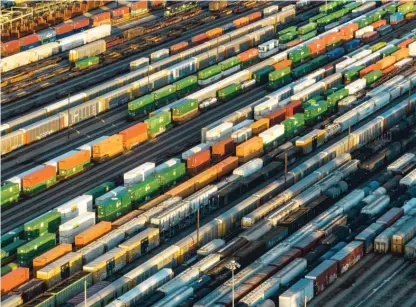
<point x="27" y="47"/>
<point x="336" y="53"/>
<point x="352" y="45"/>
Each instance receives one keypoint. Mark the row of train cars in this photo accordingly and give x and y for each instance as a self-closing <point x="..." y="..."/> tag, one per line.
<point x="63" y="271"/>
<point x="294" y="106"/>
<point x="148" y="103"/>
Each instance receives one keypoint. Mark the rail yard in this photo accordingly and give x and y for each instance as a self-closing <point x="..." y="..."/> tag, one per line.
<point x="208" y="153"/>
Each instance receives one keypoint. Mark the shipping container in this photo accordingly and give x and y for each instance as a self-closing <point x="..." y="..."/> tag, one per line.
<point x="92" y="234"/>
<point x="134" y="136"/>
<point x="48" y="222"/>
<point x="50" y="256"/>
<point x="250" y="149"/>
<point x="108" y="148"/>
<point x="26" y="253"/>
<point x="13" y="280"/>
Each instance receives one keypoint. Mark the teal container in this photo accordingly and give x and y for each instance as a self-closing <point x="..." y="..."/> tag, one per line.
<point x="262" y="75"/>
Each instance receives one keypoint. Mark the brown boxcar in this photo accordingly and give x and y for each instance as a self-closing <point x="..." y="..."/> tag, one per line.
<point x="293" y="108"/>
<point x="64" y="28"/>
<point x="82" y="23"/>
<point x="108" y="148"/>
<point x="14" y="279"/>
<point x="200" y="38"/>
<point x="223" y="149"/>
<point x="92" y="233"/>
<point x="253" y="148"/>
<point x="101" y="18"/>
<point x="277" y="116"/>
<point x="10" y="48"/>
<point x="134" y="135"/>
<point x="178" y="47"/>
<point x="198" y="161"/>
<point x="323" y="275"/>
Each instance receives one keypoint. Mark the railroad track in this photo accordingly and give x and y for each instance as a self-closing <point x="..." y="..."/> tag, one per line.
<point x="163" y="147"/>
<point x="26" y="156"/>
<point x="54" y="75"/>
<point x="91" y="78"/>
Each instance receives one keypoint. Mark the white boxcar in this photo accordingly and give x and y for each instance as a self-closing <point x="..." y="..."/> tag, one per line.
<point x="249" y="168"/>
<point x="298" y="295"/>
<point x="77" y="206"/>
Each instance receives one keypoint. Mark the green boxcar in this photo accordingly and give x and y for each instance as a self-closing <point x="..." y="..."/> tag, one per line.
<point x="114" y="207"/>
<point x="334" y="89"/>
<point x="41" y="186"/>
<point x="308" y="36"/>
<point x="325" y="20"/>
<point x="299" y="54"/>
<point x="158" y="123"/>
<point x="337" y="96"/>
<point x="364" y="22"/>
<point x="43" y="224"/>
<point x="34" y="248"/>
<point x="168" y="176"/>
<point x="280" y="82"/>
<point x="11" y="249"/>
<point x="391" y="9"/>
<point x="186" y="106"/>
<point x="262" y="75"/>
<point x="314" y="112"/>
<point x="209" y="72"/>
<point x="316" y="17"/>
<point x="406" y="8"/>
<point x="279" y="73"/>
<point x="307" y="28"/>
<point x="301" y="70"/>
<point x="142" y="191"/>
<point x="87" y="62"/>
<point x="311" y="101"/>
<point x="389" y="51"/>
<point x="229" y="63"/>
<point x="378" y="46"/>
<point x="229" y="91"/>
<point x="353" y="73"/>
<point x="78" y="168"/>
<point x="164" y="95"/>
<point x="287" y="30"/>
<point x="373" y="76"/>
<point x="287" y="37"/>
<point x="288" y="125"/>
<point x="319" y="61"/>
<point x="101" y="189"/>
<point x="12" y="235"/>
<point x="8" y="268"/>
<point x="377" y="15"/>
<point x="9" y="193"/>
<point x="186" y="85"/>
<point x="141" y="106"/>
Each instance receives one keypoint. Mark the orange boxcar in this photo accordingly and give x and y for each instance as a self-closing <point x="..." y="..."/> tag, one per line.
<point x="227" y="166"/>
<point x="241" y="22"/>
<point x="39" y="176"/>
<point x="108" y="148"/>
<point x="10" y="48"/>
<point x="277" y="116"/>
<point x="379" y="23"/>
<point x="254" y="16"/>
<point x="92" y="233"/>
<point x="139" y="5"/>
<point x="214" y="32"/>
<point x="332" y="38"/>
<point x="134" y="135"/>
<point x="317" y="47"/>
<point x="348" y="31"/>
<point x="389" y="69"/>
<point x="406" y="43"/>
<point x="368" y="69"/>
<point x="178" y="47"/>
<point x="401" y="54"/>
<point x="385" y="62"/>
<point x="14" y="279"/>
<point x="260" y="126"/>
<point x="183" y="190"/>
<point x="50" y="256"/>
<point x="81" y="157"/>
<point x="205" y="178"/>
<point x="198" y="158"/>
<point x="250" y="149"/>
<point x="248" y="55"/>
<point x="282" y="64"/>
<point x="200" y="38"/>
